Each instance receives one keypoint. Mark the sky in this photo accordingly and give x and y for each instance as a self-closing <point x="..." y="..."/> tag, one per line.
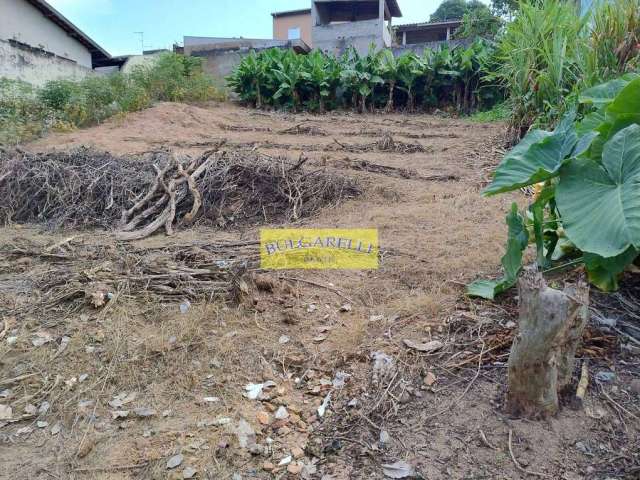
<point x="113" y="23"/>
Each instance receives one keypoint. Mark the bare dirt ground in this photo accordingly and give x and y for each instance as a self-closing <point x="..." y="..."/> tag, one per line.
<point x="70" y="370"/>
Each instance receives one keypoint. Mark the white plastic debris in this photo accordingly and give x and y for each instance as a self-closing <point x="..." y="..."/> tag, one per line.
<point x="322" y="409"/>
<point x="254" y="390"/>
<point x="285" y="461"/>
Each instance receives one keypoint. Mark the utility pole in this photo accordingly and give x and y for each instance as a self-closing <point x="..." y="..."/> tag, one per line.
<point x="141" y="41"/>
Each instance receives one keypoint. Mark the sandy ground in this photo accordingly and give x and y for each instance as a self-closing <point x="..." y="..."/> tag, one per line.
<point x="440" y="412"/>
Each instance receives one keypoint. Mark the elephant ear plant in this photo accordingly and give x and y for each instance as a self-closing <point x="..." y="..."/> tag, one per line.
<point x="588" y="204"/>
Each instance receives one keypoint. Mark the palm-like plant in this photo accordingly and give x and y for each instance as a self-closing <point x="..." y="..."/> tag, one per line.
<point x="389" y="70"/>
<point x="410" y="68"/>
<point x="248" y="79"/>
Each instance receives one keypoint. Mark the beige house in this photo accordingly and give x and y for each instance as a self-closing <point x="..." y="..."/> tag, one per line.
<point x="293" y="25"/>
<point x="37" y="44"/>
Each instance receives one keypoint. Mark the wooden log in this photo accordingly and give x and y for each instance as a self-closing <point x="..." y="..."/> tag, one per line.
<point x="543" y="351"/>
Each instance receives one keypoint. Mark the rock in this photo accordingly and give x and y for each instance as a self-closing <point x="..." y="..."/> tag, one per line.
<point x="263" y="418"/>
<point x="268" y="467"/>
<point x="116" y="414"/>
<point x="42" y="424"/>
<point x="246" y="435"/>
<point x="427" y="347"/>
<point x="605" y="376"/>
<point x="44" y="407"/>
<point x="281" y="413"/>
<point x="6" y="393"/>
<point x="398" y="470"/>
<point x="297" y="453"/>
<point x="185" y="306"/>
<point x="40" y="338"/>
<point x="256" y="449"/>
<point x="166" y="413"/>
<point x="283" y="339"/>
<point x="285" y="461"/>
<point x="189" y="472"/>
<point x="294" y="468"/>
<point x="384" y="437"/>
<point x="56" y="429"/>
<point x="5" y="412"/>
<point x="174" y="461"/>
<point x="211" y="399"/>
<point x="346" y="307"/>
<point x="30" y="409"/>
<point x="312" y="308"/>
<point x="145" y="412"/>
<point x="635" y="386"/>
<point x="510" y="324"/>
<point x="429" y="379"/>
<point x="12" y="340"/>
<point x="24" y="431"/>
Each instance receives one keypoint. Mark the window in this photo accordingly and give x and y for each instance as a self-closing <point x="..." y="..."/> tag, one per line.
<point x="294" y="33"/>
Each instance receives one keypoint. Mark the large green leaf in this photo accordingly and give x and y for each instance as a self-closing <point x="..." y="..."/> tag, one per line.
<point x="517" y="241"/>
<point x="627" y="102"/>
<point x="604" y="272"/>
<point x="600" y="202"/>
<point x="605" y="93"/>
<point x="538" y="157"/>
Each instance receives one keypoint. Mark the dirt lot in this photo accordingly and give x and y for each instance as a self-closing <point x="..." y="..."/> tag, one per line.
<point x="69" y="370"/>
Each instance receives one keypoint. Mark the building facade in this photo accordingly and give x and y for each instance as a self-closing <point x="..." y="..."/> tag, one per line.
<point x="337" y="25"/>
<point x="38" y="44"/>
<point x="293" y="25"/>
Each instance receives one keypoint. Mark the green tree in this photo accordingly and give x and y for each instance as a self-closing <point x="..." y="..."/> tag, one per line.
<point x="479" y="22"/>
<point x="455" y="9"/>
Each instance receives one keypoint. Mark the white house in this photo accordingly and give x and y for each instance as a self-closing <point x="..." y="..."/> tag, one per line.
<point x="38" y="44"/>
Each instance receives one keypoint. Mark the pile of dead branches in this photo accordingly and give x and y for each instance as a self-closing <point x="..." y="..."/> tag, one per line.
<point x="137" y="197"/>
<point x="385" y="144"/>
<point x="80" y="188"/>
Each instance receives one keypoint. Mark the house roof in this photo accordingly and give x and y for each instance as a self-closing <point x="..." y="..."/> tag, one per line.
<point x="428" y="25"/>
<point x="288" y="13"/>
<point x="394" y="8"/>
<point x="98" y="54"/>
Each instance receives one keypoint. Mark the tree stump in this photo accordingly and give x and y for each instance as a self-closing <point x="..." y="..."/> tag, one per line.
<point x="543" y="352"/>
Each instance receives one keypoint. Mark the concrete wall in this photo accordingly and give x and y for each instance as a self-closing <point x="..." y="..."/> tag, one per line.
<point x="281" y="26"/>
<point x="194" y="44"/>
<point x="337" y="37"/>
<point x="37" y="67"/>
<point x="419" y="48"/>
<point x="21" y="21"/>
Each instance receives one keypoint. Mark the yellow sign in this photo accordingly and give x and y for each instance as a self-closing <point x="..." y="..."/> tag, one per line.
<point x="310" y="248"/>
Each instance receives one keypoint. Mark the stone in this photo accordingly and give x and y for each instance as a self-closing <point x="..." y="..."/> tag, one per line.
<point x="294" y="468"/>
<point x="282" y="413"/>
<point x="5" y="412"/>
<point x="174" y="461"/>
<point x="189" y="472"/>
<point x="268" y="467"/>
<point x="144" y="412"/>
<point x="384" y="437"/>
<point x="429" y="379"/>
<point x="297" y="452"/>
<point x="42" y="424"/>
<point x="56" y="429"/>
<point x="263" y="418"/>
<point x="635" y="386"/>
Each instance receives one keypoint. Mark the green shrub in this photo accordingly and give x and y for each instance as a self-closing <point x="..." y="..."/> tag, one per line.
<point x="27" y="112"/>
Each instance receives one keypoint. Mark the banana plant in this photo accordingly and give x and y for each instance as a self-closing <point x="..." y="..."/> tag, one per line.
<point x="410" y="68"/>
<point x="248" y="79"/>
<point x="290" y="76"/>
<point x="389" y="71"/>
<point x="321" y="75"/>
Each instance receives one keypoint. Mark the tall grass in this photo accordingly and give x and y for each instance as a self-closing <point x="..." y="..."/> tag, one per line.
<point x="614" y="41"/>
<point x="548" y="53"/>
<point x="27" y="112"/>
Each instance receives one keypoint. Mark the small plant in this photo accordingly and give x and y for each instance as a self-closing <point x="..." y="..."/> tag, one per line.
<point x="587" y="204"/>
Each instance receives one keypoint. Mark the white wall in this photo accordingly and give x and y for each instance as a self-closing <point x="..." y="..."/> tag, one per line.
<point x="21" y="21"/>
<point x="36" y="68"/>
